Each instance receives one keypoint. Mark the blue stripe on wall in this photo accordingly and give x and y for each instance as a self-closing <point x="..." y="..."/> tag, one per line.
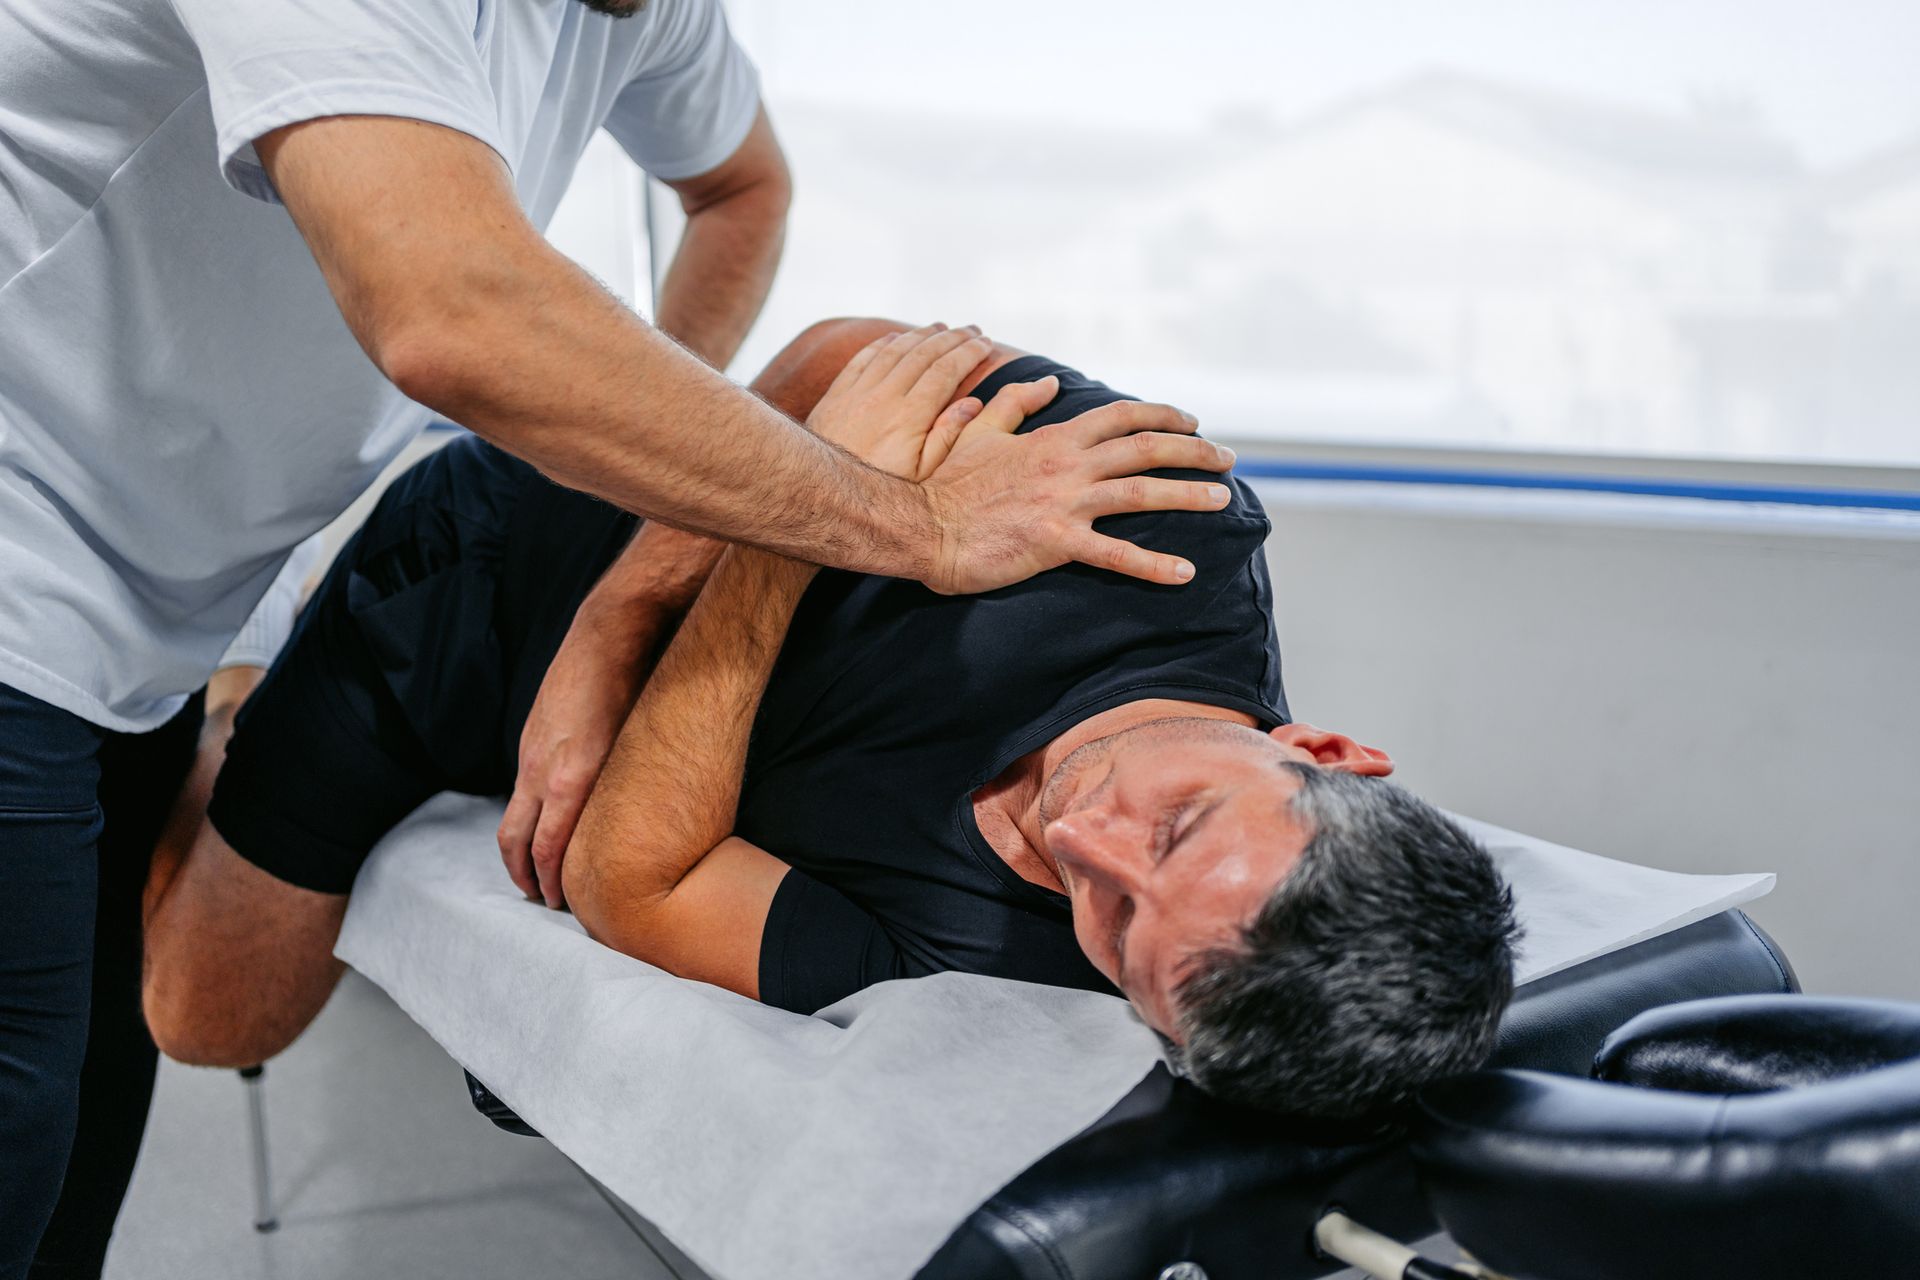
<point x="1266" y="469"/>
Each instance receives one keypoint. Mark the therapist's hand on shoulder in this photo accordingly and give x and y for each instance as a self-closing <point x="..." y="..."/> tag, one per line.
<point x="1010" y="506"/>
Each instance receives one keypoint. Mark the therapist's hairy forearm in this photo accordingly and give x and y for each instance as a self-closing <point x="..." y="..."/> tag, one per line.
<point x="671" y="786"/>
<point x="713" y="292"/>
<point x="548" y="366"/>
<point x="465" y="307"/>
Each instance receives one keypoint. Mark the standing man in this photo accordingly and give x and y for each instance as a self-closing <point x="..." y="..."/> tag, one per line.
<point x="247" y="249"/>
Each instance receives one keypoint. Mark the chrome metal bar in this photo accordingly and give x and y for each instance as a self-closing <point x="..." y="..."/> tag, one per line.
<point x="1380" y="1256"/>
<point x="263" y="1215"/>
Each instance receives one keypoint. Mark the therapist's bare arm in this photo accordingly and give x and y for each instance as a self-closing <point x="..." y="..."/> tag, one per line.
<point x="464" y="306"/>
<point x="714" y="289"/>
<point x="730" y="248"/>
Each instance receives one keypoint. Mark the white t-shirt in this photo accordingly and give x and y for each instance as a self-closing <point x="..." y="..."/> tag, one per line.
<point x="180" y="400"/>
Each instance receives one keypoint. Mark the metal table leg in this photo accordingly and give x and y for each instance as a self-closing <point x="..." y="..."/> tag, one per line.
<point x="263" y="1215"/>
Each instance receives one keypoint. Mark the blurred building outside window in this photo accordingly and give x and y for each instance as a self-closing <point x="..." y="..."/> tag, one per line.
<point x="1618" y="228"/>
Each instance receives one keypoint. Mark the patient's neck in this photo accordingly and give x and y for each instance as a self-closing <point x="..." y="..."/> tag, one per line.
<point x="1007" y="809"/>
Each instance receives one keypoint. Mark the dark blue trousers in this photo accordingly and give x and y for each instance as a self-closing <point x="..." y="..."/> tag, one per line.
<point x="80" y="809"/>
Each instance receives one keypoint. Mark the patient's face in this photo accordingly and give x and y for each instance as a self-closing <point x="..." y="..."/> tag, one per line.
<point x="1170" y="836"/>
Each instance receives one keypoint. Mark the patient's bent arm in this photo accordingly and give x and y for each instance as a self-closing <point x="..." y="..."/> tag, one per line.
<point x="587" y="693"/>
<point x="708" y="927"/>
<point x="671" y="786"/>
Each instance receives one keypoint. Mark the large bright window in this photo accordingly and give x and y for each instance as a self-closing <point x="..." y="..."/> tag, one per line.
<point x="1626" y="227"/>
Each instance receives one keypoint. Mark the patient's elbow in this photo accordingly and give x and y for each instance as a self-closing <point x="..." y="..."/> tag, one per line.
<point x="607" y="898"/>
<point x="581" y="881"/>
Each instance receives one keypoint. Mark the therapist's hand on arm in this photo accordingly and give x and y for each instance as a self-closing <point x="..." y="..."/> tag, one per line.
<point x="654" y="869"/>
<point x="467" y="309"/>
<point x="714" y="289"/>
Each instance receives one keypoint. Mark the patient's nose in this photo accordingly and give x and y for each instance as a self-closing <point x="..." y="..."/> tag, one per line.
<point x="1096" y="848"/>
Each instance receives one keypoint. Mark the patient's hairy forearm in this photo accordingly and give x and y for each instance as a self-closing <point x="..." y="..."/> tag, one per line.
<point x="645" y="592"/>
<point x="671" y="786"/>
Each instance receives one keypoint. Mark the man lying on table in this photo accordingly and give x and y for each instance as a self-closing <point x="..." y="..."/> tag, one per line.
<point x="830" y="779"/>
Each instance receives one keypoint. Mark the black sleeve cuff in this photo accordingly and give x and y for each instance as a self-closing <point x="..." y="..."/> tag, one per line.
<point x="819" y="946"/>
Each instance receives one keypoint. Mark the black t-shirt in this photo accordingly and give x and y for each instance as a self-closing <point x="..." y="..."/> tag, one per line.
<point x="890" y="705"/>
<point x="415" y="666"/>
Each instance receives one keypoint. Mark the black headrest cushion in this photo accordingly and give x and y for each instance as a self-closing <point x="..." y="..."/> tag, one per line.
<point x="1770" y="1136"/>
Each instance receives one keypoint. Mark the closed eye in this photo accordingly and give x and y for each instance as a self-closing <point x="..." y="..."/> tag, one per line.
<point x="1169" y="831"/>
<point x="1180" y="824"/>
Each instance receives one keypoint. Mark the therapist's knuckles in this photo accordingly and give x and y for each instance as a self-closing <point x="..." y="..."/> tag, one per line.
<point x="1127" y="417"/>
<point x="1160" y="450"/>
<point x="1148" y="493"/>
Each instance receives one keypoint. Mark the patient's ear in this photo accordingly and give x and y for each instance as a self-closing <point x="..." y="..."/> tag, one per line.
<point x="1335" y="750"/>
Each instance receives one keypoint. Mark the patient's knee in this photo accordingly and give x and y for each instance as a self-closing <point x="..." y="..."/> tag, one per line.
<point x="209" y="1014"/>
<point x="237" y="962"/>
<point x="207" y="1028"/>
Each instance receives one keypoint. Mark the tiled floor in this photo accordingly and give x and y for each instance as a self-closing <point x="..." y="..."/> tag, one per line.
<point x="381" y="1169"/>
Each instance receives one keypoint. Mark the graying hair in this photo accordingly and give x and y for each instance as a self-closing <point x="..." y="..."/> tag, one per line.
<point x="1383" y="961"/>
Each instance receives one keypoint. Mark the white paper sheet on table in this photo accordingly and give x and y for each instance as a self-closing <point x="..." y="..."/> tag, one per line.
<point x="771" y="1146"/>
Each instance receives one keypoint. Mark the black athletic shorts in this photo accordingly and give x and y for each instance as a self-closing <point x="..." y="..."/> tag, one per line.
<point x="412" y="669"/>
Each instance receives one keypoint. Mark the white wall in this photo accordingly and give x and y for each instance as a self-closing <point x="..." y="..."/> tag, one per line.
<point x="1668" y="682"/>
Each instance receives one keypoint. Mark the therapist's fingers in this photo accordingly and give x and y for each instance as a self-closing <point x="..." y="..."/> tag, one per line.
<point x="1149" y="493"/>
<point x="516" y="841"/>
<point x="1120" y="556"/>
<point x="1157" y="450"/>
<point x="1130" y="417"/>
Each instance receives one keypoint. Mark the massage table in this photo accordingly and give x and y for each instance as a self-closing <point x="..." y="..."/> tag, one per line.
<point x="721" y="1130"/>
<point x="1171" y="1184"/>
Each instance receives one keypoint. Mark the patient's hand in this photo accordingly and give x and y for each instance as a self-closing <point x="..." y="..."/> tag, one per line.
<point x="891" y="407"/>
<point x="582" y="703"/>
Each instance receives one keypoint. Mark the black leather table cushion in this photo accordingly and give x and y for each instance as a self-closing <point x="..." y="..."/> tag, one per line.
<point x="1169" y="1175"/>
<point x="1765" y="1137"/>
